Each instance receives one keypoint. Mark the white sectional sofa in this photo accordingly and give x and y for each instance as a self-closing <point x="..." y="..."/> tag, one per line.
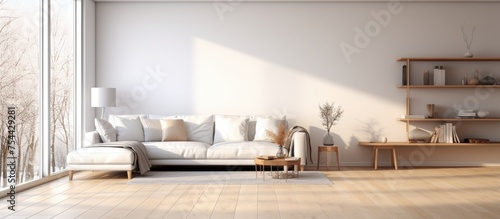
<point x="209" y="140"/>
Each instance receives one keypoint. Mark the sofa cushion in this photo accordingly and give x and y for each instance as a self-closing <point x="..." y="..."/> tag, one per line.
<point x="128" y="129"/>
<point x="263" y="124"/>
<point x="101" y="155"/>
<point x="252" y="123"/>
<point x="198" y="127"/>
<point x="176" y="150"/>
<point x="230" y="128"/>
<point x="241" y="150"/>
<point x="113" y="117"/>
<point x="152" y="129"/>
<point x="173" y="130"/>
<point x="106" y="131"/>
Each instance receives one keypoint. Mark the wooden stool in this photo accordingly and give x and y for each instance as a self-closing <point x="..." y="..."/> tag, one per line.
<point x="328" y="148"/>
<point x="393" y="157"/>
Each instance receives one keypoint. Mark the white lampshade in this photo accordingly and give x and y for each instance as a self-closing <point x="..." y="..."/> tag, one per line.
<point x="103" y="97"/>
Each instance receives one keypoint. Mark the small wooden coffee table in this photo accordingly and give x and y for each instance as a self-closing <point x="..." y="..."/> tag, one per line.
<point x="284" y="162"/>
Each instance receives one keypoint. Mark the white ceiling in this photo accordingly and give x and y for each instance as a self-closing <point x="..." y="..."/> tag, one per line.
<point x="476" y="1"/>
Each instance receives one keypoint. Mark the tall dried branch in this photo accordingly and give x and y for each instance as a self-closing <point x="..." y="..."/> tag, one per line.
<point x="330" y="114"/>
<point x="466" y="38"/>
<point x="280" y="137"/>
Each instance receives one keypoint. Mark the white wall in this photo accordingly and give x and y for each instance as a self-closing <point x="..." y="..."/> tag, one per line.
<point x="286" y="58"/>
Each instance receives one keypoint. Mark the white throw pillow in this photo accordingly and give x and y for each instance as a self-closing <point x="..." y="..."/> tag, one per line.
<point x="199" y="128"/>
<point x="264" y="124"/>
<point x="230" y="128"/>
<point x="128" y="129"/>
<point x="113" y="117"/>
<point x="105" y="130"/>
<point x="152" y="129"/>
<point x="173" y="130"/>
<point x="252" y="123"/>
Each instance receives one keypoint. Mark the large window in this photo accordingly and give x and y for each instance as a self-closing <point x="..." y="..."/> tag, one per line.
<point x="37" y="68"/>
<point x="62" y="82"/>
<point x="19" y="84"/>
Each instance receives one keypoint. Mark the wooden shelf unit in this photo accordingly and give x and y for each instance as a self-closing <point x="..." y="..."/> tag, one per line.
<point x="408" y="87"/>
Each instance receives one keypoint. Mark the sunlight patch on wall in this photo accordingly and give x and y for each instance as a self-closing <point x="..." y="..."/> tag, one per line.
<point x="229" y="81"/>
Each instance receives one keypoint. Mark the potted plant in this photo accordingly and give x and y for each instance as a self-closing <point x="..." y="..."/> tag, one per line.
<point x="330" y="114"/>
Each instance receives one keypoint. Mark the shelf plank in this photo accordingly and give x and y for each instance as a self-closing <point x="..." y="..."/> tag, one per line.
<point x="451" y="120"/>
<point x="449" y="59"/>
<point x="406" y="144"/>
<point x="449" y="86"/>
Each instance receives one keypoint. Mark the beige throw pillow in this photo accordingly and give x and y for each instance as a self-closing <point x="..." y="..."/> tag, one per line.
<point x="173" y="130"/>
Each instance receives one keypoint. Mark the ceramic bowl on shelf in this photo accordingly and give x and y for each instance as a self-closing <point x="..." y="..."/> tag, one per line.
<point x="488" y="80"/>
<point x="419" y="135"/>
<point x="473" y="81"/>
<point x="482" y="113"/>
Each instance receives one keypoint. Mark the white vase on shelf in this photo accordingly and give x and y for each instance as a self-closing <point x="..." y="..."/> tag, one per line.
<point x="468" y="54"/>
<point x="482" y="113"/>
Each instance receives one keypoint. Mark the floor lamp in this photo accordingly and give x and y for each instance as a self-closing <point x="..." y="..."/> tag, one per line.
<point x="103" y="97"/>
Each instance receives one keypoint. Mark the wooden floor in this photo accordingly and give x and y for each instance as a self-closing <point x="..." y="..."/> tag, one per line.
<point x="355" y="193"/>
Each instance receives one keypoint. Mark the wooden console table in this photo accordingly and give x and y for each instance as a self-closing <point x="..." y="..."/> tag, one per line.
<point x="392" y="146"/>
<point x="382" y="146"/>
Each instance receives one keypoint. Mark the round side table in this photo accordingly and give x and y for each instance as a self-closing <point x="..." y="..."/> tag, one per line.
<point x="285" y="162"/>
<point x="332" y="148"/>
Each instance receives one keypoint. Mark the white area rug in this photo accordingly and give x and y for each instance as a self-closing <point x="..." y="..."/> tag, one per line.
<point x="226" y="178"/>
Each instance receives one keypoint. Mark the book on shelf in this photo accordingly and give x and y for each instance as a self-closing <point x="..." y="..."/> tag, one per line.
<point x="455" y="135"/>
<point x="445" y="133"/>
<point x="469" y="114"/>
<point x="439" y="75"/>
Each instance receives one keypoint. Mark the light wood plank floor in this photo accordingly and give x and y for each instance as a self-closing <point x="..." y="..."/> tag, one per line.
<point x="355" y="193"/>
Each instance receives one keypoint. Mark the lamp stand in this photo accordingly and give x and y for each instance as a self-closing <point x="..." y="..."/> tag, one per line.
<point x="102" y="112"/>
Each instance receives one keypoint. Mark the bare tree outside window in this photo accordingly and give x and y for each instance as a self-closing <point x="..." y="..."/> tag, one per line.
<point x="20" y="75"/>
<point x="62" y="84"/>
<point x="19" y="82"/>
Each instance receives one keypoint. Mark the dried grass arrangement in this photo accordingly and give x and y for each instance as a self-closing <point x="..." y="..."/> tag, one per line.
<point x="330" y="114"/>
<point x="280" y="137"/>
